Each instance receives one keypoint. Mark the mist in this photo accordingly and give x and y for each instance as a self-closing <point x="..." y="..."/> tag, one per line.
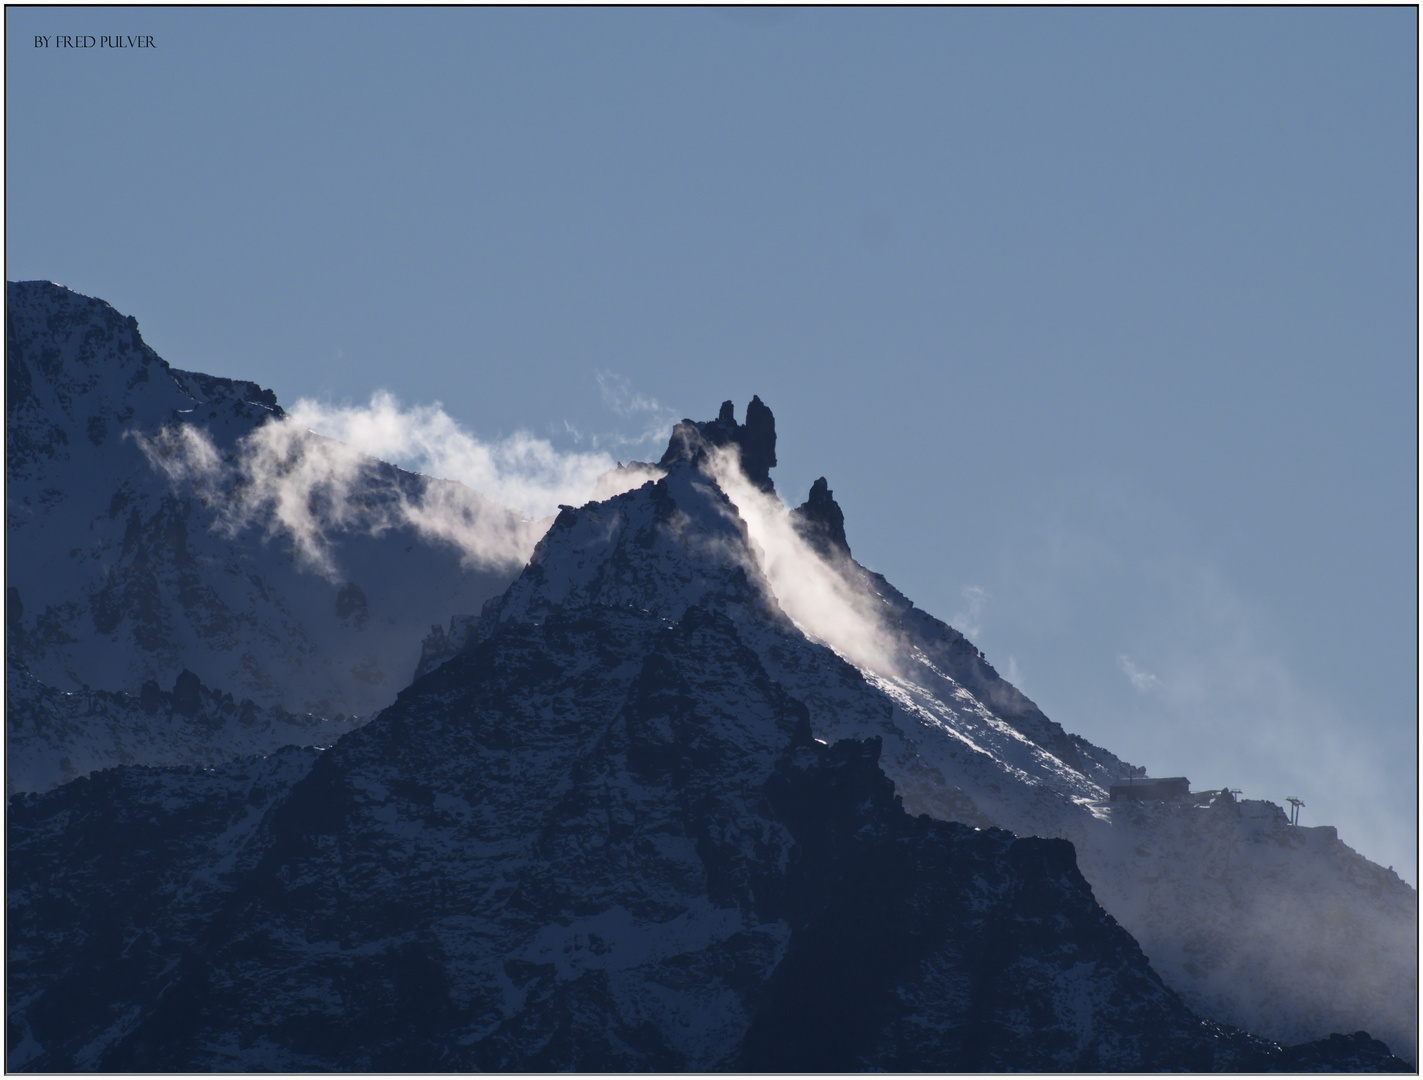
<point x="521" y="471"/>
<point x="321" y="470"/>
<point x="819" y="595"/>
<point x="1128" y="632"/>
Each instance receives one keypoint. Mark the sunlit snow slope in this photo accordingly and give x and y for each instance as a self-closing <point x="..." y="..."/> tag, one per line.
<point x="624" y="816"/>
<point x="1282" y="930"/>
<point x="600" y="836"/>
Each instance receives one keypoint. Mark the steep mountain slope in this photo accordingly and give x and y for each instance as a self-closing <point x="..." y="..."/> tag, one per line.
<point x="1292" y="935"/>
<point x="604" y="827"/>
<point x="1281" y="930"/>
<point x="126" y="869"/>
<point x="125" y="565"/>
<point x="1284" y="931"/>
<point x="602" y="836"/>
<point x="53" y="736"/>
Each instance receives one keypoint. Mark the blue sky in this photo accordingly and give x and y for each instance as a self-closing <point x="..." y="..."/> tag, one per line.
<point x="1101" y="323"/>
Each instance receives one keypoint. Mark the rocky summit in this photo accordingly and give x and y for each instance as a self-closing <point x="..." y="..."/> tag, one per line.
<point x="755" y="441"/>
<point x="646" y="810"/>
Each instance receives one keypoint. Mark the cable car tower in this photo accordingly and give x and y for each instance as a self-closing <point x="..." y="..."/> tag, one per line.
<point x="1295" y="804"/>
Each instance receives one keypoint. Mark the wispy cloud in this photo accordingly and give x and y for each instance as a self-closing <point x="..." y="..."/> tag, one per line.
<point x="622" y="399"/>
<point x="1142" y="680"/>
<point x="320" y="471"/>
<point x="521" y="471"/>
<point x="1014" y="674"/>
<point x="1201" y="681"/>
<point x="820" y="595"/>
<point x="968" y="619"/>
<point x="655" y="420"/>
<point x="1234" y="706"/>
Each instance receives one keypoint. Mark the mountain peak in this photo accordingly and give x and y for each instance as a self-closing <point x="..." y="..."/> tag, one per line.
<point x="756" y="440"/>
<point x="725" y="798"/>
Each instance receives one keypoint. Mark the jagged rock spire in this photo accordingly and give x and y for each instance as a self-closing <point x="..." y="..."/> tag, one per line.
<point x="821" y="522"/>
<point x="756" y="439"/>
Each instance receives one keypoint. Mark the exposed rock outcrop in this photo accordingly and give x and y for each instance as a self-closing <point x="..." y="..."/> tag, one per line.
<point x="821" y="522"/>
<point x="755" y="440"/>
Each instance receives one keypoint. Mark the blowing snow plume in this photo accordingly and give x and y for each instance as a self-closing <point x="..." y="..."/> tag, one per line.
<point x="813" y="583"/>
<point x="320" y="470"/>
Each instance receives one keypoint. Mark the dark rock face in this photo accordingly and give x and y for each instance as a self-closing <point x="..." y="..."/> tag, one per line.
<point x="572" y="848"/>
<point x="596" y="839"/>
<point x="153" y="853"/>
<point x="756" y="441"/>
<point x="1342" y="1053"/>
<point x="758" y="444"/>
<point x="187" y="694"/>
<point x="192" y="724"/>
<point x="596" y="834"/>
<point x="509" y="872"/>
<point x="921" y="945"/>
<point x="821" y="521"/>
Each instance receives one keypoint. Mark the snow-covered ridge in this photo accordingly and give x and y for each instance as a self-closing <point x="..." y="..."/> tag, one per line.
<point x="121" y="572"/>
<point x="593" y="841"/>
<point x="963" y="744"/>
<point x="53" y="736"/>
<point x="578" y="774"/>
